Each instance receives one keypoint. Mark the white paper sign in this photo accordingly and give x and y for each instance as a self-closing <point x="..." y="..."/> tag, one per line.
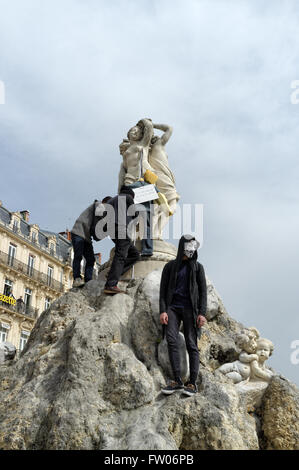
<point x="145" y="193"/>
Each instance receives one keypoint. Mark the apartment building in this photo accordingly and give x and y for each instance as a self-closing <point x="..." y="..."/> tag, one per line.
<point x="35" y="269"/>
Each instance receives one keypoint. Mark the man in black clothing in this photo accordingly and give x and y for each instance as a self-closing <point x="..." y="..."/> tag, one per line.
<point x="126" y="254"/>
<point x="183" y="298"/>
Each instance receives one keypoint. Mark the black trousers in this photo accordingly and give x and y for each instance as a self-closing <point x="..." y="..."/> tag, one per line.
<point x="82" y="249"/>
<point x="126" y="254"/>
<point x="177" y="315"/>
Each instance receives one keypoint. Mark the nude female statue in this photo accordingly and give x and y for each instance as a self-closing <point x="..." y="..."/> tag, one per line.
<point x="134" y="151"/>
<point x="158" y="161"/>
<point x="143" y="152"/>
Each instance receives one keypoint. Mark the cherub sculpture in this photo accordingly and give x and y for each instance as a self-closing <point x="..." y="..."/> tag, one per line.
<point x="264" y="350"/>
<point x="240" y="370"/>
<point x="251" y="363"/>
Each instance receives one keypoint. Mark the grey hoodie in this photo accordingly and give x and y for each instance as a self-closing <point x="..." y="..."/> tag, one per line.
<point x="82" y="225"/>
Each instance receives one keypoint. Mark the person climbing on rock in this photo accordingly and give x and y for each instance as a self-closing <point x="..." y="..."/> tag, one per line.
<point x="183" y="298"/>
<point x="82" y="244"/>
<point x="126" y="254"/>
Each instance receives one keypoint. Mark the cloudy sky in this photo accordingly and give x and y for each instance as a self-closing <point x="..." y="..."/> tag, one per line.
<point x="78" y="74"/>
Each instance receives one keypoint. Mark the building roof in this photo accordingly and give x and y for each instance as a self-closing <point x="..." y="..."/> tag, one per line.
<point x="63" y="245"/>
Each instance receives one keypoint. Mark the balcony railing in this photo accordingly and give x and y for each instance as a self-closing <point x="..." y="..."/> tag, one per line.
<point x="30" y="272"/>
<point x="23" y="309"/>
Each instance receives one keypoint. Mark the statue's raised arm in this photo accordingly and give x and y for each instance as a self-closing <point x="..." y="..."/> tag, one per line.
<point x="146" y="126"/>
<point x="167" y="132"/>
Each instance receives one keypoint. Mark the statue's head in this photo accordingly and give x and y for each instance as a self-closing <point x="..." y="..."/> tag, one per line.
<point x="265" y="348"/>
<point x="247" y="340"/>
<point x="123" y="146"/>
<point x="135" y="133"/>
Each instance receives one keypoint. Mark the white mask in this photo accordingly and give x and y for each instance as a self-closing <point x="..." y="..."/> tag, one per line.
<point x="190" y="248"/>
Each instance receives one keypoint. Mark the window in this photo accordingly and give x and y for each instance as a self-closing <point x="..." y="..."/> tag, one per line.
<point x="52" y="249"/>
<point x="47" y="303"/>
<point x="50" y="275"/>
<point x="15" y="225"/>
<point x="27" y="298"/>
<point x="4" y="329"/>
<point x="30" y="265"/>
<point x="23" y="339"/>
<point x="7" y="287"/>
<point x="11" y="254"/>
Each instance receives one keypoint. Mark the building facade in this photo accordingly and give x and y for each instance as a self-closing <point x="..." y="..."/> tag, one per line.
<point x="35" y="269"/>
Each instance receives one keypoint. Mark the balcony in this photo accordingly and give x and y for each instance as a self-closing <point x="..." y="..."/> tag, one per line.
<point x="30" y="272"/>
<point x="24" y="310"/>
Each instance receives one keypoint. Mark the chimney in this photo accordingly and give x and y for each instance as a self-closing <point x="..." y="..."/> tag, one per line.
<point x="25" y="215"/>
<point x="66" y="234"/>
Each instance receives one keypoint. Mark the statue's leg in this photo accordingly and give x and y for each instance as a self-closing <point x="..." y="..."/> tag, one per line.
<point x="172" y="206"/>
<point x="164" y="219"/>
<point x="235" y="376"/>
<point x="156" y="222"/>
<point x="160" y="220"/>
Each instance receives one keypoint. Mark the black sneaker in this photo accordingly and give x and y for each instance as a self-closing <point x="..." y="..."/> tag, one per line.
<point x="146" y="255"/>
<point x="172" y="387"/>
<point x="190" y="390"/>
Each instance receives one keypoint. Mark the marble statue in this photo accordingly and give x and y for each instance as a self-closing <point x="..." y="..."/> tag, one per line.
<point x="144" y="157"/>
<point x="134" y="151"/>
<point x="251" y="363"/>
<point x="264" y="350"/>
<point x="158" y="161"/>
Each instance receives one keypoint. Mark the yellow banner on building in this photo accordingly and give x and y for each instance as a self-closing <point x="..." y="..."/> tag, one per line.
<point x="7" y="299"/>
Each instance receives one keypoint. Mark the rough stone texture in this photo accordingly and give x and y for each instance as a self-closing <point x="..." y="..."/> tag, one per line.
<point x="89" y="378"/>
<point x="7" y="351"/>
<point x="251" y="393"/>
<point x="280" y="415"/>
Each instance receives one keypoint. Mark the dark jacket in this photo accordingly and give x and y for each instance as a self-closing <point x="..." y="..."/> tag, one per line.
<point x="197" y="283"/>
<point x="121" y="203"/>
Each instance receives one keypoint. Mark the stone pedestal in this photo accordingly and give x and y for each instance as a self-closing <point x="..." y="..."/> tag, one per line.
<point x="162" y="253"/>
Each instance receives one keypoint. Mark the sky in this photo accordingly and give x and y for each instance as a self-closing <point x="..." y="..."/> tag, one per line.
<point x="78" y="74"/>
